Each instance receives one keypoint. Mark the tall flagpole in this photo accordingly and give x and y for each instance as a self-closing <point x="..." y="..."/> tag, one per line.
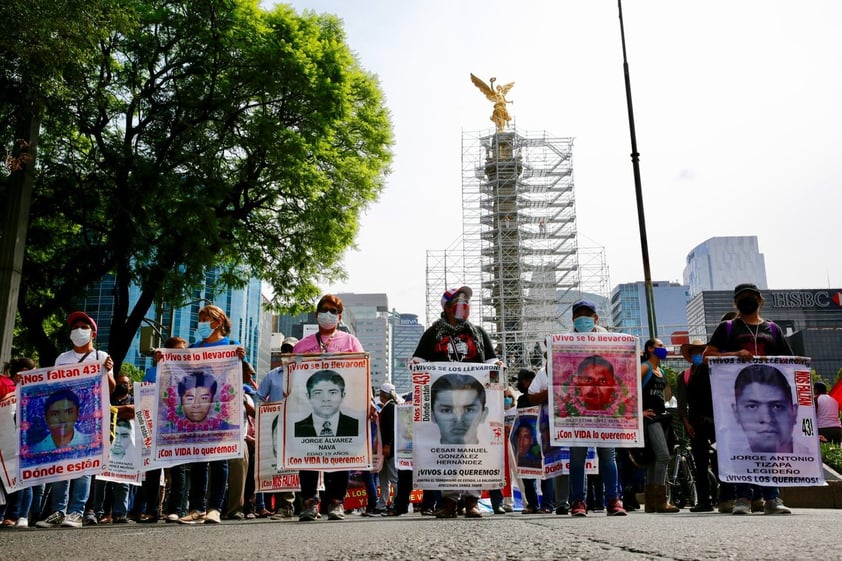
<point x="641" y="219"/>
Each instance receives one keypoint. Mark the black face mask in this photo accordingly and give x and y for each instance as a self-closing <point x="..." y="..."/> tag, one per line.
<point x="748" y="306"/>
<point x="120" y="391"/>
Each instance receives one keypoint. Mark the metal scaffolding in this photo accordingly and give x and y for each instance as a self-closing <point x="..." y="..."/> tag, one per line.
<point x="519" y="217"/>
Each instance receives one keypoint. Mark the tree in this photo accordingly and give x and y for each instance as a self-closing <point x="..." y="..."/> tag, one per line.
<point x="44" y="44"/>
<point x="212" y="134"/>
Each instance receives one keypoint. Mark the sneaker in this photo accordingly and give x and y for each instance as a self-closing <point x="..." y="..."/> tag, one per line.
<point x="52" y="521"/>
<point x="615" y="508"/>
<point x="171" y="518"/>
<point x="508" y="508"/>
<point x="309" y="511"/>
<point x="529" y="510"/>
<point x="757" y="505"/>
<point x="701" y="508"/>
<point x="562" y="510"/>
<point x="238" y="515"/>
<point x="122" y="519"/>
<point x="472" y="508"/>
<point x="264" y="514"/>
<point x="775" y="506"/>
<point x="579" y="509"/>
<point x="73" y="520"/>
<point x="193" y="517"/>
<point x="212" y="517"/>
<point x="447" y="510"/>
<point x="742" y="506"/>
<point x="336" y="511"/>
<point x="499" y="510"/>
<point x="251" y="516"/>
<point x="282" y="514"/>
<point x="725" y="507"/>
<point x="89" y="519"/>
<point x="22" y="523"/>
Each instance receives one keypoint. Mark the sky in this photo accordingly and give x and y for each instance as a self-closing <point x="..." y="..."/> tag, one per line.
<point x="737" y="117"/>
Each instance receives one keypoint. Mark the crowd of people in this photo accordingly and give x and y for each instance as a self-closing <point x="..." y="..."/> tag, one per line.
<point x="208" y="492"/>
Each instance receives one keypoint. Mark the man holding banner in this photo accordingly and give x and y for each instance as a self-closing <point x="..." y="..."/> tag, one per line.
<point x="458" y="405"/>
<point x="746" y="337"/>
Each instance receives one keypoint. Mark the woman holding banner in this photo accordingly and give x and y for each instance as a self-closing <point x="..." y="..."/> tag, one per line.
<point x="328" y="339"/>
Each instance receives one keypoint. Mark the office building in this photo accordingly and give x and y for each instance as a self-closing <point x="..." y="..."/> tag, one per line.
<point x="722" y="263"/>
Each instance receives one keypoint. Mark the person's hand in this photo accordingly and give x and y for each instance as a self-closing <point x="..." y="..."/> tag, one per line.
<point x="241" y="353"/>
<point x="158" y="356"/>
<point x="386" y="449"/>
<point x="372" y="412"/>
<point x="416" y="360"/>
<point x="744" y="354"/>
<point x="649" y="413"/>
<point x="109" y="363"/>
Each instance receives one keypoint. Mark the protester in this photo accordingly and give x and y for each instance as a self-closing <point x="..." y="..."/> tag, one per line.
<point x="388" y="473"/>
<point x="212" y="331"/>
<point x="328" y="339"/>
<point x="18" y="503"/>
<point x="656" y="423"/>
<point x="695" y="411"/>
<point x="271" y="389"/>
<point x="151" y="490"/>
<point x="827" y="415"/>
<point x="238" y="467"/>
<point x="70" y="495"/>
<point x="746" y="337"/>
<point x="452" y="338"/>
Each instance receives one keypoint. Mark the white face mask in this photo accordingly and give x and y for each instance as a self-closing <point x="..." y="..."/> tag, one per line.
<point x="327" y="320"/>
<point x="81" y="337"/>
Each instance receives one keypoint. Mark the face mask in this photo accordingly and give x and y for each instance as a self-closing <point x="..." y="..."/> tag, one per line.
<point x="661" y="353"/>
<point x="80" y="337"/>
<point x="748" y="306"/>
<point x="462" y="310"/>
<point x="204" y="330"/>
<point x="696" y="359"/>
<point x="327" y="320"/>
<point x="583" y="324"/>
<point x="507" y="402"/>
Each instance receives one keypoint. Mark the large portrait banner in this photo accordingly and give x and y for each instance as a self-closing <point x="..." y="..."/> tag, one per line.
<point x="62" y="423"/>
<point x="595" y="390"/>
<point x="199" y="408"/>
<point x="403" y="435"/>
<point x="9" y="464"/>
<point x="765" y="421"/>
<point x="326" y="425"/>
<point x="458" y="435"/>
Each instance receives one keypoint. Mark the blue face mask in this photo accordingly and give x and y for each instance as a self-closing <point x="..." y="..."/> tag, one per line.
<point x="204" y="330"/>
<point x="583" y="324"/>
<point x="661" y="352"/>
<point x="507" y="402"/>
<point x="696" y="359"/>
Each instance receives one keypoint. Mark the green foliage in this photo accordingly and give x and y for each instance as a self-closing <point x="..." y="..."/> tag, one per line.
<point x="212" y="134"/>
<point x="132" y="371"/>
<point x="832" y="455"/>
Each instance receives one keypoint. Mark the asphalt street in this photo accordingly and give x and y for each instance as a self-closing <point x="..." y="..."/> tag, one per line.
<point x="806" y="534"/>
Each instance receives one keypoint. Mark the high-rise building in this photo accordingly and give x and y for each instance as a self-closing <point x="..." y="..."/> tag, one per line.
<point x="722" y="263"/>
<point x="241" y="305"/>
<point x="629" y="312"/>
<point x="368" y="317"/>
<point x="406" y="332"/>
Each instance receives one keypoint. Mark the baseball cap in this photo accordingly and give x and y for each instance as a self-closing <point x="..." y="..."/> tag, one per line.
<point x="745" y="287"/>
<point x="583" y="304"/>
<point x="454" y="292"/>
<point x="290" y="341"/>
<point x="387" y="387"/>
<point x="76" y="316"/>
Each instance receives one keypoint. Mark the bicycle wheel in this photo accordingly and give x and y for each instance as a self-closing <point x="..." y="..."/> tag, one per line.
<point x="688" y="484"/>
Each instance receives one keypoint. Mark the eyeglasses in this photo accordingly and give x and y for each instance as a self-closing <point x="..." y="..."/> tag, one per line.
<point x="330" y="311"/>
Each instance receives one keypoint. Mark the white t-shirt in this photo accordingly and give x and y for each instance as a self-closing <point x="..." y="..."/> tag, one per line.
<point x="827" y="412"/>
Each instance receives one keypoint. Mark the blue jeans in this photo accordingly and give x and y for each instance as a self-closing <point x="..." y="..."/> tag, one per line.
<point x="199" y="485"/>
<point x="607" y="470"/>
<point x="71" y="495"/>
<point x="749" y="492"/>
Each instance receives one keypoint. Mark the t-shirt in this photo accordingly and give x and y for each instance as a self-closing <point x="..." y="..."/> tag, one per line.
<point x="441" y="343"/>
<point x="339" y="342"/>
<point x="827" y="412"/>
<point x="759" y="340"/>
<point x="7" y="386"/>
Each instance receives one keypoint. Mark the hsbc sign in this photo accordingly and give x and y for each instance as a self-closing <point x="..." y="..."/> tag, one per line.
<point x="805" y="299"/>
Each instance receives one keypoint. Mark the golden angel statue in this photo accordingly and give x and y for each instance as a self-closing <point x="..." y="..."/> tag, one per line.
<point x="500" y="116"/>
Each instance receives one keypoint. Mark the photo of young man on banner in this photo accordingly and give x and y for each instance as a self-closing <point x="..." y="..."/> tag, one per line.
<point x="765" y="421"/>
<point x="62" y="424"/>
<point x="458" y="436"/>
<point x="199" y="409"/>
<point x="326" y="423"/>
<point x="269" y="475"/>
<point x="596" y="399"/>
